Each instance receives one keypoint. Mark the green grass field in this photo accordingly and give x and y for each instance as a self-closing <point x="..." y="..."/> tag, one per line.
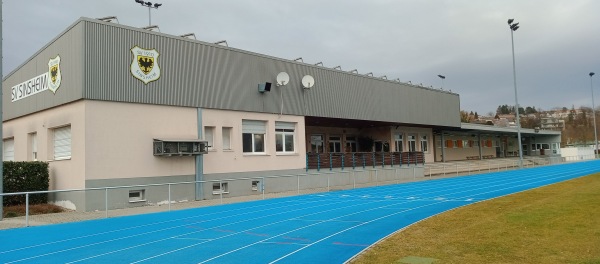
<point x="559" y="223"/>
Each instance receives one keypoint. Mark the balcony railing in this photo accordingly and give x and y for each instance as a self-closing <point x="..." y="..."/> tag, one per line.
<point x="355" y="160"/>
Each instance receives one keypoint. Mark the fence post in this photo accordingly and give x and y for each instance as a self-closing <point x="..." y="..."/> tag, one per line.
<point x="262" y="187"/>
<point x="392" y="159"/>
<point x="330" y="161"/>
<point x="318" y="161"/>
<point x="105" y="202"/>
<point x="364" y="161"/>
<point x="353" y="161"/>
<point x="169" y="197"/>
<point x="306" y="162"/>
<point x="26" y="209"/>
<point x="328" y="182"/>
<point x="373" y="159"/>
<point x="343" y="155"/>
<point x="354" y="177"/>
<point x="221" y="190"/>
<point x="414" y="173"/>
<point x="382" y="159"/>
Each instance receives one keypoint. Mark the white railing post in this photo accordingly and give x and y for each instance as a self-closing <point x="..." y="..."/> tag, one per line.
<point x="376" y="177"/>
<point x="105" y="202"/>
<point x="169" y="197"/>
<point x="354" y="179"/>
<point x="221" y="190"/>
<point x="327" y="182"/>
<point x="262" y="186"/>
<point x="26" y="209"/>
<point x="414" y="174"/>
<point x="298" y="186"/>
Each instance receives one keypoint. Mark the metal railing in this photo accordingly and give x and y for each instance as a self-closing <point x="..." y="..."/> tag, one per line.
<point x="180" y="195"/>
<point x="266" y="187"/>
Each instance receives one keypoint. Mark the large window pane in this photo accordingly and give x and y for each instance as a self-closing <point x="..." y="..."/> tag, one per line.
<point x="247" y="142"/>
<point x="279" y="142"/>
<point x="289" y="143"/>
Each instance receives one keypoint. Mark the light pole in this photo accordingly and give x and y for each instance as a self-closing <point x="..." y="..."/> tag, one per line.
<point x="514" y="27"/>
<point x="443" y="78"/>
<point x="149" y="5"/>
<point x="594" y="114"/>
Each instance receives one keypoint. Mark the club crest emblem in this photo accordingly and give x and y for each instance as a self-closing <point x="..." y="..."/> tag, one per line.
<point x="144" y="65"/>
<point x="54" y="76"/>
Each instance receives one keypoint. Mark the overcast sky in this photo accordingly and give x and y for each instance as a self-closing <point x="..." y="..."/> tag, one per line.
<point x="468" y="41"/>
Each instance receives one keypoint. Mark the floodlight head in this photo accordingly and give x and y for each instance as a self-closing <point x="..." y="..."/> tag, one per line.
<point x="442" y="76"/>
<point x="157" y="5"/>
<point x="591" y="74"/>
<point x="514" y="26"/>
<point x="510" y="20"/>
<point x="139" y="1"/>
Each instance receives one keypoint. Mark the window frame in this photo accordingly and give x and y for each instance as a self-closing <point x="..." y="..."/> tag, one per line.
<point x="54" y="145"/>
<point x="284" y="130"/>
<point x="5" y="148"/>
<point x="252" y="130"/>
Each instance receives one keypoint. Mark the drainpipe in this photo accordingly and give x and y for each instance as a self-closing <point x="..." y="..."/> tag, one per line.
<point x="199" y="161"/>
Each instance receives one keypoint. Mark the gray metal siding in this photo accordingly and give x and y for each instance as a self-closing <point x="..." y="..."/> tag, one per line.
<point x="198" y="74"/>
<point x="69" y="46"/>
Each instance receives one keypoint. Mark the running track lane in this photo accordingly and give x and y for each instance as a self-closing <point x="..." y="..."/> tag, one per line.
<point x="318" y="228"/>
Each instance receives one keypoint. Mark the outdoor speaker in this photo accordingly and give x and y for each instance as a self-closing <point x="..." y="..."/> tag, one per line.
<point x="264" y="87"/>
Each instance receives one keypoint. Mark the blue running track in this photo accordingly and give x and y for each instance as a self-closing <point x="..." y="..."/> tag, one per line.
<point x="318" y="228"/>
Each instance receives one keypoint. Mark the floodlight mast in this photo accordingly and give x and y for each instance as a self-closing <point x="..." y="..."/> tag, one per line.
<point x="149" y="5"/>
<point x="514" y="27"/>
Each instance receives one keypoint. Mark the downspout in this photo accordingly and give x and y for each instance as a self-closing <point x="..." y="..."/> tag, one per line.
<point x="199" y="161"/>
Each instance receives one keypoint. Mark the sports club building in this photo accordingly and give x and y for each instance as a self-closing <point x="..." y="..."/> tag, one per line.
<point x="111" y="105"/>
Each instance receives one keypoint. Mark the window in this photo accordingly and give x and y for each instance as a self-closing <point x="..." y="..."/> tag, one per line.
<point x="449" y="143"/>
<point x="137" y="196"/>
<point x="253" y="136"/>
<point x="209" y="135"/>
<point x="8" y="153"/>
<point x="284" y="136"/>
<point x="62" y="143"/>
<point x="382" y="146"/>
<point x="459" y="143"/>
<point x="316" y="143"/>
<point x="465" y="143"/>
<point x="226" y="138"/>
<point x="350" y="144"/>
<point x="335" y="144"/>
<point x="399" y="142"/>
<point x="220" y="188"/>
<point x="424" y="143"/>
<point x="412" y="143"/>
<point x="32" y="147"/>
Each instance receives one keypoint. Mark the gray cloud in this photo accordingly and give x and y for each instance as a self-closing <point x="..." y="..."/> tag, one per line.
<point x="467" y="41"/>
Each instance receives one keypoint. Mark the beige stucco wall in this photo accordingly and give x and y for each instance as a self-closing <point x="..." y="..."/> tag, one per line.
<point x="119" y="139"/>
<point x="219" y="160"/>
<point x="64" y="174"/>
<point x="418" y="131"/>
